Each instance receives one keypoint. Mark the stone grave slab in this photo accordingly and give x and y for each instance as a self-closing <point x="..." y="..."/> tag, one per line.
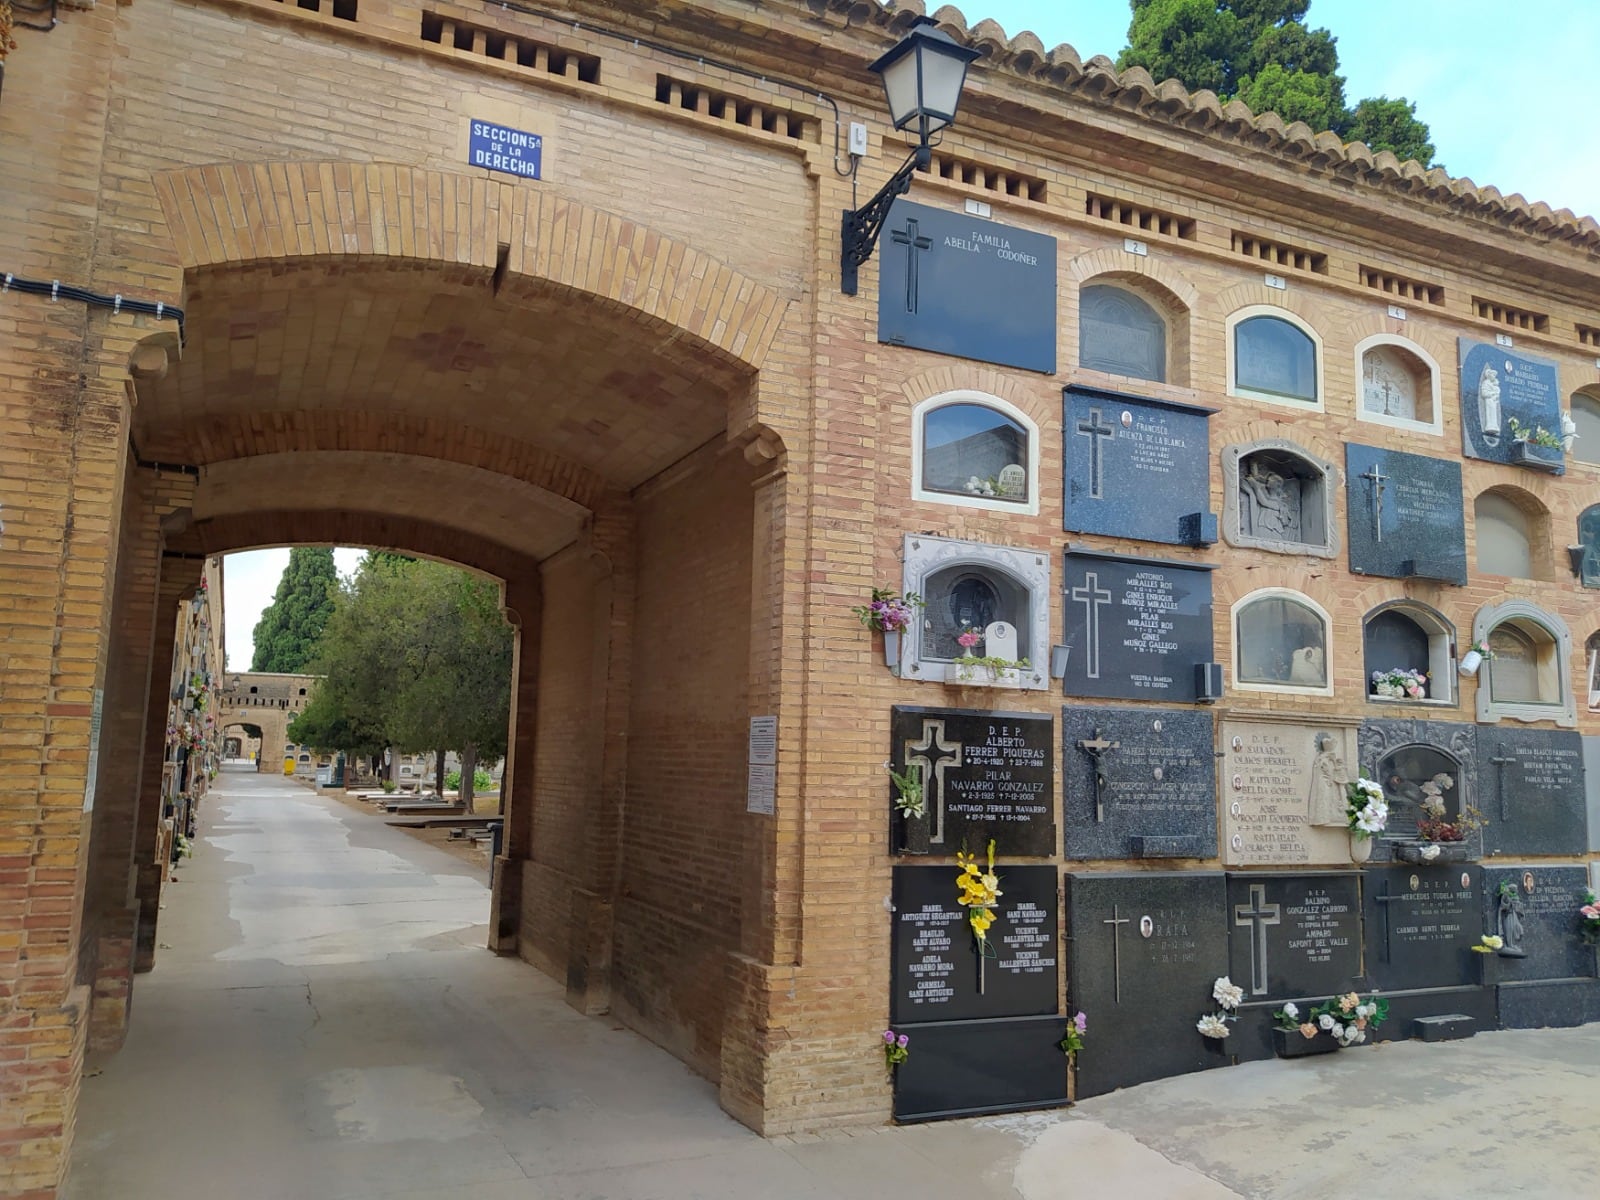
<point x="1283" y="791"/>
<point x="936" y="971"/>
<point x="1405" y="516"/>
<point x="985" y="775"/>
<point x="964" y="1068"/>
<point x="1591" y="787"/>
<point x="1137" y="468"/>
<point x="1138" y="783"/>
<point x="956" y="284"/>
<point x="1498" y="384"/>
<point x="1135" y="628"/>
<point x="1532" y="788"/>
<point x="1143" y="951"/>
<point x="1293" y="937"/>
<point x="1420" y="925"/>
<point x="1545" y="928"/>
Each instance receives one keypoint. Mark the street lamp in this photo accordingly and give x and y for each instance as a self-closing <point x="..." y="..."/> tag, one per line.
<point x="922" y="79"/>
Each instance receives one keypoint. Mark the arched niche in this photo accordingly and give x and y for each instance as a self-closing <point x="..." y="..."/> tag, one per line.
<point x="972" y="585"/>
<point x="1586" y="417"/>
<point x="1273" y="355"/>
<point x="1406" y="635"/>
<point x="1587" y="564"/>
<point x="1512" y="534"/>
<point x="1121" y="332"/>
<point x="975" y="450"/>
<point x="1281" y="643"/>
<point x="1592" y="671"/>
<point x="1399" y="384"/>
<point x="1527" y="679"/>
<point x="1280" y="497"/>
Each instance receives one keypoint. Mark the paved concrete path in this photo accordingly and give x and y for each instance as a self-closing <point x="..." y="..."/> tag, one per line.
<point x="324" y="1024"/>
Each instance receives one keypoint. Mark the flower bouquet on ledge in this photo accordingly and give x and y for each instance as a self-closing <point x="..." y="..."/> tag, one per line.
<point x="1340" y="1022"/>
<point x="1589" y="920"/>
<point x="1440" y="838"/>
<point x="1537" y="447"/>
<point x="890" y="614"/>
<point x="1399" y="683"/>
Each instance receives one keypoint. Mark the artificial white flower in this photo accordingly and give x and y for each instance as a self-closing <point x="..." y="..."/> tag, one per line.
<point x="1290" y="1011"/>
<point x="1212" y="1026"/>
<point x="1326" y="1021"/>
<point x="1226" y="993"/>
<point x="1429" y="853"/>
<point x="1337" y="1030"/>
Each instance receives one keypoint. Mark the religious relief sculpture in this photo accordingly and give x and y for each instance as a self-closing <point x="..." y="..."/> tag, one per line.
<point x="1269" y="504"/>
<point x="1489" y="405"/>
<point x="1328" y="779"/>
<point x="1278" y="496"/>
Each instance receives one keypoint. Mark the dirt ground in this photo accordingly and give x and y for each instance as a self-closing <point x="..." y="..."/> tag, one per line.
<point x="468" y="852"/>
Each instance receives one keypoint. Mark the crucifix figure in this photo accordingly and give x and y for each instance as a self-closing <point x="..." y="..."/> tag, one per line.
<point x="1091" y="595"/>
<point x="1377" y="479"/>
<point x="933" y="754"/>
<point x="1116" y="921"/>
<point x="1499" y="762"/>
<point x="1258" y="914"/>
<point x="1096" y="747"/>
<point x="914" y="244"/>
<point x="1096" y="433"/>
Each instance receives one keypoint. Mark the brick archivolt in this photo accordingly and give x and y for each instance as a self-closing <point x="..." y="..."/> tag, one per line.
<point x="1112" y="263"/>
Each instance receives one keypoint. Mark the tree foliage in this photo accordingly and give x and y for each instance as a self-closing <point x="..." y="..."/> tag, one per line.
<point x="286" y="635"/>
<point x="1263" y="53"/>
<point x="417" y="657"/>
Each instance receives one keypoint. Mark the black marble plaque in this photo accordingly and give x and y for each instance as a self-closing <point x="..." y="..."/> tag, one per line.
<point x="1143" y="953"/>
<point x="1136" y="468"/>
<point x="938" y="973"/>
<point x="1540" y="918"/>
<point x="1421" y="923"/>
<point x="1136" y="628"/>
<point x="1532" y="791"/>
<point x="1138" y="783"/>
<point x="955" y="284"/>
<point x="964" y="1068"/>
<point x="1405" y="515"/>
<point x="1497" y="385"/>
<point x="985" y="775"/>
<point x="1293" y="937"/>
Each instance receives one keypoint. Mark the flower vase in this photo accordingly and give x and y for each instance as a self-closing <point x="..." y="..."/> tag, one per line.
<point x="914" y="834"/>
<point x="891" y="649"/>
<point x="1470" y="662"/>
<point x="1291" y="1043"/>
<point x="1360" y="852"/>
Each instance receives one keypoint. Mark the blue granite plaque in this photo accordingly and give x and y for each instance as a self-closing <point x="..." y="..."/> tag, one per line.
<point x="1135" y="627"/>
<point x="1405" y="515"/>
<point x="1498" y="385"/>
<point x="1588" y="558"/>
<point x="959" y="285"/>
<point x="1137" y="468"/>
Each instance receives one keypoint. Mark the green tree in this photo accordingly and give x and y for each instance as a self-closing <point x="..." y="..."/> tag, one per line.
<point x="1263" y="53"/>
<point x="286" y="635"/>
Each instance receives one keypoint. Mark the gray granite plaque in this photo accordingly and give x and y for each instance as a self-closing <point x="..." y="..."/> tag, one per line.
<point x="1138" y="783"/>
<point x="1538" y="916"/>
<point x="985" y="775"/>
<point x="1136" y="628"/>
<point x="1421" y="923"/>
<point x="1136" y="468"/>
<point x="1292" y="937"/>
<point x="1591" y="787"/>
<point x="1499" y="385"/>
<point x="1532" y="784"/>
<point x="1142" y="955"/>
<point x="1405" y="515"/>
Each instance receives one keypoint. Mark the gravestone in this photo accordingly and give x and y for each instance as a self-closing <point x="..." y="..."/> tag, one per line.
<point x="1283" y="798"/>
<point x="955" y="284"/>
<point x="1135" y="628"/>
<point x="1421" y="923"/>
<point x="1137" y="468"/>
<point x="1138" y="783"/>
<point x="1278" y="496"/>
<point x="1405" y="515"/>
<point x="1544" y="900"/>
<point x="984" y="775"/>
<point x="964" y="1068"/>
<point x="937" y="970"/>
<point x="1142" y="954"/>
<point x="1292" y="937"/>
<point x="1591" y="787"/>
<point x="1588" y="565"/>
<point x="1499" y="384"/>
<point x="1532" y="788"/>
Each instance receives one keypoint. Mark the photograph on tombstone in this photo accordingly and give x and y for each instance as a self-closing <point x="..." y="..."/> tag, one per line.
<point x="1138" y="783"/>
<point x="955" y="284"/>
<point x="1137" y="468"/>
<point x="1135" y="628"/>
<point x="1405" y="516"/>
<point x="1510" y="407"/>
<point x="1284" y="800"/>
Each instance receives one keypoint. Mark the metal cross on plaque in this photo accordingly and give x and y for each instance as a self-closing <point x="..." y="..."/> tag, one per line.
<point x="1116" y="921"/>
<point x="1097" y="434"/>
<point x="1499" y="762"/>
<point x="1377" y="479"/>
<point x="1258" y="914"/>
<point x="1383" y="901"/>
<point x="914" y="244"/>
<point x="1095" y="748"/>
<point x="933" y="754"/>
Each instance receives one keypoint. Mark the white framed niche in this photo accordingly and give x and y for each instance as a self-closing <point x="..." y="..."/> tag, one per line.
<point x="973" y="585"/>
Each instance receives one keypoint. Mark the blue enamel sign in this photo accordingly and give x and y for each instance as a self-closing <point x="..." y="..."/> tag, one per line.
<point x="500" y="148"/>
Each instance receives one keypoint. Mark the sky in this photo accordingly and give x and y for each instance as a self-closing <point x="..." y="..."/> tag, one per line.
<point x="1507" y="89"/>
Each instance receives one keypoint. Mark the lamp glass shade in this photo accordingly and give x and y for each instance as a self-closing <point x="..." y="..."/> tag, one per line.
<point x="922" y="79"/>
